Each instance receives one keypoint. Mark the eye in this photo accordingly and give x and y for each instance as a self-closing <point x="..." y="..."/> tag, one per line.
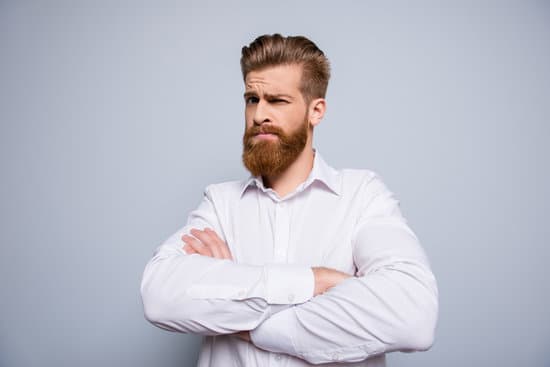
<point x="251" y="100"/>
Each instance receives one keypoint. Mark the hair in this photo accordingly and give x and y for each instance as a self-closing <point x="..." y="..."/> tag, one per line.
<point x="273" y="50"/>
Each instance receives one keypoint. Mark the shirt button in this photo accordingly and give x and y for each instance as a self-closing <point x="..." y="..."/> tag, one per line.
<point x="290" y="298"/>
<point x="336" y="357"/>
<point x="278" y="357"/>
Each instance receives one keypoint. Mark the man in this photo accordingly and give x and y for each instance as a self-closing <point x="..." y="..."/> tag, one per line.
<point x="299" y="264"/>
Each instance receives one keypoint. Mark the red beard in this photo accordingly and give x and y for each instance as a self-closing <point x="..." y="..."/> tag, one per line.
<point x="268" y="157"/>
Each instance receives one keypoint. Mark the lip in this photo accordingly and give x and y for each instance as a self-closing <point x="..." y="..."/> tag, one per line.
<point x="265" y="136"/>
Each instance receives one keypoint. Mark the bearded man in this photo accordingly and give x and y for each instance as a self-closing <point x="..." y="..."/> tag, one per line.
<point x="301" y="263"/>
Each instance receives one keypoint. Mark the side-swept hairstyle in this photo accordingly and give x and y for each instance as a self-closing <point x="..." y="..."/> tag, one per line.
<point x="273" y="50"/>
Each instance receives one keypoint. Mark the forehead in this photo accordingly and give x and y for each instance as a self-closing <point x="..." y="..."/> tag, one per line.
<point x="280" y="78"/>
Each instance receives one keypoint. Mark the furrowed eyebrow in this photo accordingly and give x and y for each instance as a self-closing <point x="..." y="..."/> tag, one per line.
<point x="249" y="94"/>
<point x="267" y="95"/>
<point x="277" y="96"/>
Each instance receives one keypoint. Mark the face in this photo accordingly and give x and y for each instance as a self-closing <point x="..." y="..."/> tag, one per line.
<point x="277" y="126"/>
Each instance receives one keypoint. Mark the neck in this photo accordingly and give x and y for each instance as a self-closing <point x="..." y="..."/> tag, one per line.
<point x="294" y="175"/>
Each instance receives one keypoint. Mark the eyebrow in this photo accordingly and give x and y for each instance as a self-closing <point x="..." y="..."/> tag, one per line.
<point x="267" y="96"/>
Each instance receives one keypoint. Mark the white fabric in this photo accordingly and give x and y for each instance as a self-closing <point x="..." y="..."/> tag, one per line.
<point x="342" y="219"/>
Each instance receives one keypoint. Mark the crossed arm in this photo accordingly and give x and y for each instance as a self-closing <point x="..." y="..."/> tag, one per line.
<point x="389" y="304"/>
<point x="206" y="242"/>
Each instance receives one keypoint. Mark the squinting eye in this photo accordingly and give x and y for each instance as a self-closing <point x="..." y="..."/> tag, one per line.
<point x="251" y="100"/>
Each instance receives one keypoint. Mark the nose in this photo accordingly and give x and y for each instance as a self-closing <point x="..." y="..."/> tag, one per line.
<point x="261" y="113"/>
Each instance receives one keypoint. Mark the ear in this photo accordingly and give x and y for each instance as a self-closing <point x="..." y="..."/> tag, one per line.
<point x="316" y="111"/>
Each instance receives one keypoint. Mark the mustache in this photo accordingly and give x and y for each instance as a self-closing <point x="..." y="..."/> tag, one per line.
<point x="264" y="129"/>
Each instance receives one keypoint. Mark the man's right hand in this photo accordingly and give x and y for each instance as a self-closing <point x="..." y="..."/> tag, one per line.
<point x="326" y="278"/>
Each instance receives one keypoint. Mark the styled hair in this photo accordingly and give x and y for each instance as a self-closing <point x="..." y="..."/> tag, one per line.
<point x="274" y="50"/>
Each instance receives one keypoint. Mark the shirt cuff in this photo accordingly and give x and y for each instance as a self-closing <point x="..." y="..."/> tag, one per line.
<point x="273" y="334"/>
<point x="289" y="284"/>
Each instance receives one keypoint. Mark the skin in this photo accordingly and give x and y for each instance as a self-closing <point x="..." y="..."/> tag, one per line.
<point x="272" y="96"/>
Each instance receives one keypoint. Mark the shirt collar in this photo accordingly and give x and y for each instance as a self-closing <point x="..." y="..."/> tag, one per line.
<point x="321" y="172"/>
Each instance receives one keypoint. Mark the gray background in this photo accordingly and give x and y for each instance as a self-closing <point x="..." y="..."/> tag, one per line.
<point x="115" y="116"/>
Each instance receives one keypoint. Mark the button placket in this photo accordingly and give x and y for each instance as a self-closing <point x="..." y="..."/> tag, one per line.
<point x="282" y="223"/>
<point x="277" y="358"/>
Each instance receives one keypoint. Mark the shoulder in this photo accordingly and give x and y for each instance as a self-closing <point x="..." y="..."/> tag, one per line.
<point x="358" y="179"/>
<point x="364" y="187"/>
<point x="225" y="191"/>
<point x="226" y="186"/>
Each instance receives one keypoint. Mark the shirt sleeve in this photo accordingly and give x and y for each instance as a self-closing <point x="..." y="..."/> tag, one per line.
<point x="391" y="304"/>
<point x="198" y="294"/>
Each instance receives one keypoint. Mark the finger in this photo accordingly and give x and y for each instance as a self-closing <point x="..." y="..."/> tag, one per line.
<point x="197" y="245"/>
<point x="209" y="242"/>
<point x="221" y="245"/>
<point x="189" y="250"/>
<point x="224" y="249"/>
<point x="216" y="241"/>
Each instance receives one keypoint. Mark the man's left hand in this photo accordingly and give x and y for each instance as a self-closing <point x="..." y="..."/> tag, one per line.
<point x="207" y="243"/>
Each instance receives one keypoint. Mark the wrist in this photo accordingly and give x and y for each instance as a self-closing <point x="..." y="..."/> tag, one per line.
<point x="320" y="281"/>
<point x="326" y="278"/>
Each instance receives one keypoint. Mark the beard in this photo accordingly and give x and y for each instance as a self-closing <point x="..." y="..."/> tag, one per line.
<point x="272" y="157"/>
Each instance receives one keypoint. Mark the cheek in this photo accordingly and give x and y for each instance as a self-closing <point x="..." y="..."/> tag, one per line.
<point x="295" y="116"/>
<point x="247" y="121"/>
<point x="248" y="114"/>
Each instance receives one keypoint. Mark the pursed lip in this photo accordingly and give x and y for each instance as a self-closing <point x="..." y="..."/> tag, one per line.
<point x="266" y="136"/>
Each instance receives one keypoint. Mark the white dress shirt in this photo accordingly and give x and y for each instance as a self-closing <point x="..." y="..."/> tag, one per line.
<point x="342" y="219"/>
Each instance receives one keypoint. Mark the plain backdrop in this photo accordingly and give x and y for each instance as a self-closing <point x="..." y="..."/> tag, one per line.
<point x="115" y="115"/>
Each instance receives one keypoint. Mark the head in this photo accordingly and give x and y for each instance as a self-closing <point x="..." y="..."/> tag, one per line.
<point x="286" y="80"/>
